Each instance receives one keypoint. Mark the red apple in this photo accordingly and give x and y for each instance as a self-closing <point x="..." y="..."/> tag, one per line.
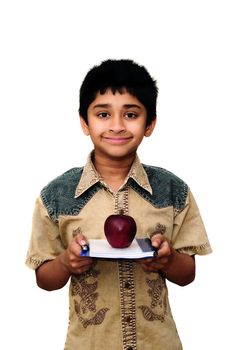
<point x="120" y="230"/>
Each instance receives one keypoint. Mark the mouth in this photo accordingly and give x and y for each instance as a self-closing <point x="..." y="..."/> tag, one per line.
<point x="117" y="140"/>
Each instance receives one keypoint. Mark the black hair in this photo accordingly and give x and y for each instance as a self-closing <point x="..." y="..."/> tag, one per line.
<point x="119" y="75"/>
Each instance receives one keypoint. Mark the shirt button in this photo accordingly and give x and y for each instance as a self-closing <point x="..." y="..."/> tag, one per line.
<point x="127" y="285"/>
<point x="127" y="319"/>
<point x="130" y="348"/>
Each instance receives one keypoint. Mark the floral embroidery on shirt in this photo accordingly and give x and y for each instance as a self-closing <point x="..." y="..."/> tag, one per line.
<point x="84" y="287"/>
<point x="76" y="232"/>
<point x="159" y="228"/>
<point x="157" y="292"/>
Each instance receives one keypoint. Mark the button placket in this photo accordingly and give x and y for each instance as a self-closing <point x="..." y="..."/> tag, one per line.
<point x="127" y="300"/>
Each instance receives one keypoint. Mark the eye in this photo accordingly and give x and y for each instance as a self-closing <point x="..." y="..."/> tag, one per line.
<point x="131" y="115"/>
<point x="103" y="115"/>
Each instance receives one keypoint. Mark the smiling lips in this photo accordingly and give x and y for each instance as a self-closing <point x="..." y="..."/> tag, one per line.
<point x="117" y="140"/>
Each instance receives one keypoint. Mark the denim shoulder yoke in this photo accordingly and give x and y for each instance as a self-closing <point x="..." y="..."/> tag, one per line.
<point x="59" y="195"/>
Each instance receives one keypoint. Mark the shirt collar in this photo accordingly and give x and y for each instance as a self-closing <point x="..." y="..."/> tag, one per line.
<point x="139" y="175"/>
<point x="90" y="176"/>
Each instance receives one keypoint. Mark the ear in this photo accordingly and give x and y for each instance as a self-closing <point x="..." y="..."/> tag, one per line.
<point x="149" y="128"/>
<point x="84" y="126"/>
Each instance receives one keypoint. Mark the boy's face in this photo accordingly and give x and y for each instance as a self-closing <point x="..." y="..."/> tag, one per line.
<point x="116" y="124"/>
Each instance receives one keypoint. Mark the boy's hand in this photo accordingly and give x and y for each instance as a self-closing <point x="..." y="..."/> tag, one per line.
<point x="73" y="261"/>
<point x="162" y="260"/>
<point x="54" y="274"/>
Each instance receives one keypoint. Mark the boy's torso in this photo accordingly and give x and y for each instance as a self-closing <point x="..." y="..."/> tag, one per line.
<point x="116" y="304"/>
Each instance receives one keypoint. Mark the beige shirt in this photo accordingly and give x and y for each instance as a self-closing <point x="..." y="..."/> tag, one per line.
<point x="116" y="305"/>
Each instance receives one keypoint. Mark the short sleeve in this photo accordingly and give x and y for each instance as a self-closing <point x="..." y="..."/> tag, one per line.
<point x="189" y="234"/>
<point x="45" y="242"/>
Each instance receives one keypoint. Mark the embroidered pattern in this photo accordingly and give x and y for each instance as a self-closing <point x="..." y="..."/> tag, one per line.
<point x="76" y="232"/>
<point x="160" y="229"/>
<point x="34" y="262"/>
<point x="125" y="205"/>
<point x="158" y="294"/>
<point x="84" y="287"/>
<point x="127" y="301"/>
<point x="127" y="287"/>
<point x="201" y="249"/>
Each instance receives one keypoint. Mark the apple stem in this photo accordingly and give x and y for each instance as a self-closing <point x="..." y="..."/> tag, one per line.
<point x="121" y="212"/>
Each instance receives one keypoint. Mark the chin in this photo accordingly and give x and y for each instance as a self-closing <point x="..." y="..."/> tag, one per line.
<point x="117" y="153"/>
<point x="121" y="156"/>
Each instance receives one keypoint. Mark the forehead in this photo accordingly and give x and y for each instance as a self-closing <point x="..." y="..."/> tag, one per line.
<point x="116" y="99"/>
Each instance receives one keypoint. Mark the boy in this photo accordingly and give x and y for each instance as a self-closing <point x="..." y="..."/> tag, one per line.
<point x="117" y="304"/>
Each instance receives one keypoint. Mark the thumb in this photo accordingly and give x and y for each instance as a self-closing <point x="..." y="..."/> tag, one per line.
<point x="157" y="240"/>
<point x="79" y="238"/>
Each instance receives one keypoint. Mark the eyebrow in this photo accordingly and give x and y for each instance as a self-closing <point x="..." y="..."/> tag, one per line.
<point x="132" y="106"/>
<point x="107" y="105"/>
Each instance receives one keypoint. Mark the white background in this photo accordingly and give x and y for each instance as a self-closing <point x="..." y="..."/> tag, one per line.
<point x="47" y="47"/>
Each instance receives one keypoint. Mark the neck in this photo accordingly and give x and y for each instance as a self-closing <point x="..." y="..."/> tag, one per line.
<point x="113" y="171"/>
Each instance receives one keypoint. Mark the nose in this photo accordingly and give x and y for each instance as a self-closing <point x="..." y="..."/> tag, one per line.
<point x="117" y="124"/>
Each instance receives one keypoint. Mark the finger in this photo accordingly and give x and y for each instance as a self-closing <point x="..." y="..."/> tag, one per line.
<point x="79" y="264"/>
<point x="85" y="262"/>
<point x="154" y="264"/>
<point x="151" y="267"/>
<point x="74" y="248"/>
<point x="146" y="260"/>
<point x="157" y="240"/>
<point x="80" y="239"/>
<point x="82" y="269"/>
<point x="164" y="250"/>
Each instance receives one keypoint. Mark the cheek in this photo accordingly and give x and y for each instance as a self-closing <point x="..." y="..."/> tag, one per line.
<point x="95" y="130"/>
<point x="138" y="130"/>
